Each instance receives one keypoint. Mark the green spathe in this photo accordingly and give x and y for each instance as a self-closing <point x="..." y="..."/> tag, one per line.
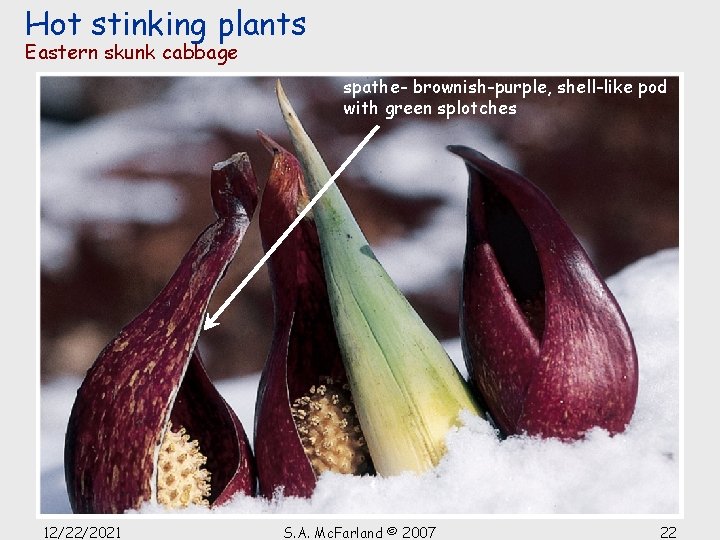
<point x="407" y="392"/>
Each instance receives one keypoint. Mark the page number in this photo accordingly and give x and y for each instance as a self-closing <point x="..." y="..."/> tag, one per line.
<point x="667" y="532"/>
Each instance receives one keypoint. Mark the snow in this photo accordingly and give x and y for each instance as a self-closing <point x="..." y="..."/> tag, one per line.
<point x="406" y="259"/>
<point x="410" y="161"/>
<point x="73" y="193"/>
<point x="636" y="472"/>
<point x="76" y="186"/>
<point x="420" y="169"/>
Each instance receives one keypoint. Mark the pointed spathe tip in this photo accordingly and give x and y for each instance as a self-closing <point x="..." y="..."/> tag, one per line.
<point x="316" y="172"/>
<point x="279" y="89"/>
<point x="285" y="106"/>
<point x="269" y="144"/>
<point x="466" y="152"/>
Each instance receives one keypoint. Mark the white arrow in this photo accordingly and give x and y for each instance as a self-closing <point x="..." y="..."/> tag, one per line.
<point x="210" y="320"/>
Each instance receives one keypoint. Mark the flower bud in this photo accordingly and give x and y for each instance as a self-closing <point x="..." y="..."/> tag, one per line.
<point x="406" y="391"/>
<point x="147" y="423"/>
<point x="544" y="340"/>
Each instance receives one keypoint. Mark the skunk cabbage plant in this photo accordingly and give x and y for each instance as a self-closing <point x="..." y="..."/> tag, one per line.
<point x="354" y="376"/>
<point x="544" y="339"/>
<point x="147" y="424"/>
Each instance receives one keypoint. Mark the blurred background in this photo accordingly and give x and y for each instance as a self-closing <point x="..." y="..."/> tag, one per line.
<point x="124" y="191"/>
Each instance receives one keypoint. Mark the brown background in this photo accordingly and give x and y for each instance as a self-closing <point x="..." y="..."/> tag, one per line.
<point x="609" y="163"/>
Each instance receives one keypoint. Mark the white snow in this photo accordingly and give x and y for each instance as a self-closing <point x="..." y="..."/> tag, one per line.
<point x="75" y="185"/>
<point x="73" y="190"/>
<point x="412" y="161"/>
<point x="636" y="472"/>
